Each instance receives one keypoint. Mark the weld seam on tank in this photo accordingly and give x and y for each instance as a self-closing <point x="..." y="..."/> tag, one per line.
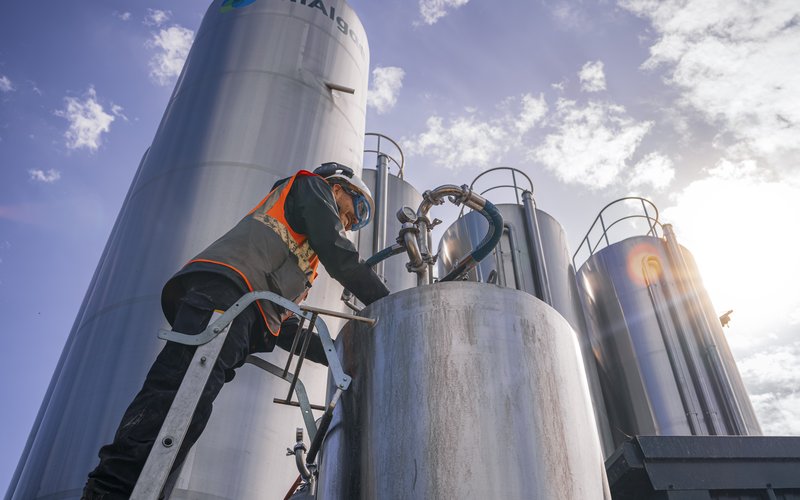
<point x="133" y="300"/>
<point x="321" y="89"/>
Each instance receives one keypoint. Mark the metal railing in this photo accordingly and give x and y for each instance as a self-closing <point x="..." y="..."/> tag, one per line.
<point x="514" y="185"/>
<point x="651" y="216"/>
<point x="378" y="151"/>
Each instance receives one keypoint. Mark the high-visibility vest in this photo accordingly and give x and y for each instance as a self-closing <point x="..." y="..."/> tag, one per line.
<point x="271" y="211"/>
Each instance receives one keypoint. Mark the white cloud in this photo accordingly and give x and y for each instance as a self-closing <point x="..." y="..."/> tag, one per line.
<point x="48" y="177"/>
<point x="156" y="17"/>
<point x="773" y="381"/>
<point x="433" y="10"/>
<point x="34" y="88"/>
<point x="125" y="16"/>
<point x="533" y="111"/>
<point x="172" y="46"/>
<point x="87" y="121"/>
<point x="569" y="14"/>
<point x="5" y="84"/>
<point x="465" y="141"/>
<point x="653" y="169"/>
<point x="590" y="145"/>
<point x="386" y="84"/>
<point x="735" y="62"/>
<point x="737" y="222"/>
<point x="117" y="110"/>
<point x="592" y="77"/>
<point x="469" y="140"/>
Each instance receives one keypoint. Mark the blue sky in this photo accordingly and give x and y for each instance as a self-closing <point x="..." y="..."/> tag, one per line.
<point x="694" y="104"/>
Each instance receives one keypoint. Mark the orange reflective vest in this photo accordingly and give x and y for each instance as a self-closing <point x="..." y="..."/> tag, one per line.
<point x="230" y="251"/>
<point x="271" y="212"/>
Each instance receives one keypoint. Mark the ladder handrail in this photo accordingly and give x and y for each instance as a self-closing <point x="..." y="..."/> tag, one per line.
<point x="209" y="343"/>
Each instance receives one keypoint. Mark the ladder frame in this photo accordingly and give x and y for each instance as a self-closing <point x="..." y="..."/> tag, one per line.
<point x="210" y="341"/>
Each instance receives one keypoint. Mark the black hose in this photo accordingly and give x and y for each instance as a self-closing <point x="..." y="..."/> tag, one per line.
<point x="385" y="254"/>
<point x="324" y="424"/>
<point x="485" y="247"/>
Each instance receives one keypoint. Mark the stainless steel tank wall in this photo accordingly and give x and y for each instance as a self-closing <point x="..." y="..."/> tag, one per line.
<point x="250" y="107"/>
<point x="462" y="390"/>
<point x="513" y="261"/>
<point x="656" y="351"/>
<point x="400" y="194"/>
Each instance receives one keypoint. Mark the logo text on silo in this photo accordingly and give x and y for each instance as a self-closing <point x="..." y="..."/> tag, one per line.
<point x="330" y="12"/>
<point x="318" y="5"/>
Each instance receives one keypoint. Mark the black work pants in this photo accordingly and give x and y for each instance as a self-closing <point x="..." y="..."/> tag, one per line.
<point x="122" y="461"/>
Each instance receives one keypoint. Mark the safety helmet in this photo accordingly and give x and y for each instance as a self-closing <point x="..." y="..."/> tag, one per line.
<point x="343" y="175"/>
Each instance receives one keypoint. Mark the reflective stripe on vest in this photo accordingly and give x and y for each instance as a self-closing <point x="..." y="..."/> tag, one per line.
<point x="271" y="212"/>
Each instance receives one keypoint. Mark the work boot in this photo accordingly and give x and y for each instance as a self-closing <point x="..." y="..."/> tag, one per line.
<point x="94" y="491"/>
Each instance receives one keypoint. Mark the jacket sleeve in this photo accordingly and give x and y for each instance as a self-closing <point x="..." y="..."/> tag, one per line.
<point x="311" y="210"/>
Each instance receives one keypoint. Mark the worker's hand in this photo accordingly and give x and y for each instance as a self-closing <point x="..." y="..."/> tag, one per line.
<point x="288" y="314"/>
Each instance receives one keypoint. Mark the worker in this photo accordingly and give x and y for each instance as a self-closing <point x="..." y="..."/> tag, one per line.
<point x="277" y="247"/>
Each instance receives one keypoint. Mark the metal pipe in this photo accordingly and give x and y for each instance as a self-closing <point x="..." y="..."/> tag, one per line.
<point x="729" y="401"/>
<point x="337" y="314"/>
<point x="299" y="458"/>
<point x="423" y="276"/>
<point x="685" y="385"/>
<point x="381" y="211"/>
<point x="542" y="281"/>
<point x="408" y="234"/>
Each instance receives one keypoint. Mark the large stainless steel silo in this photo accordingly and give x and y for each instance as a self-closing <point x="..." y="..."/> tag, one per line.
<point x="462" y="390"/>
<point x="270" y="86"/>
<point x="664" y="364"/>
<point x="533" y="256"/>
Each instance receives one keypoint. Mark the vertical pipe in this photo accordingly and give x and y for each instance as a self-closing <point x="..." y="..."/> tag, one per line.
<point x="381" y="204"/>
<point x="707" y="342"/>
<point x="541" y="279"/>
<point x="686" y="388"/>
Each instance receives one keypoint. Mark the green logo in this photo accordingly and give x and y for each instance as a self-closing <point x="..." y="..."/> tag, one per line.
<point x="228" y="5"/>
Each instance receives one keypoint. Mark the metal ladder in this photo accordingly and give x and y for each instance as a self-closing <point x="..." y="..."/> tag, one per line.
<point x="162" y="457"/>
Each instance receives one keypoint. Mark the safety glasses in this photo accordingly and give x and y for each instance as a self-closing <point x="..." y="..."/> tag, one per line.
<point x="362" y="210"/>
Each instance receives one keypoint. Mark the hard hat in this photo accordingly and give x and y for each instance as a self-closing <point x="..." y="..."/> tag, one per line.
<point x="363" y="203"/>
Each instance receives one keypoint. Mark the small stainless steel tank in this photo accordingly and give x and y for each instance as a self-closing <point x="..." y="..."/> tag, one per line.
<point x="665" y="366"/>
<point x="533" y="256"/>
<point x="462" y="390"/>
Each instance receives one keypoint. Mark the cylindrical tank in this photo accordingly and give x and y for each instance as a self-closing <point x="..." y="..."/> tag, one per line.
<point x="462" y="390"/>
<point x="664" y="364"/>
<point x="513" y="262"/>
<point x="399" y="194"/>
<point x="255" y="102"/>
